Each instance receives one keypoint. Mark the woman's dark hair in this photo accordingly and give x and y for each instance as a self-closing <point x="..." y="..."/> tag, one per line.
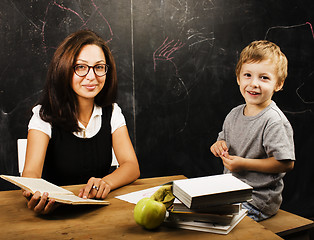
<point x="59" y="101"/>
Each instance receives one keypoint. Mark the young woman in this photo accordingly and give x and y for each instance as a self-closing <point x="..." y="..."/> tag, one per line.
<point x="76" y="124"/>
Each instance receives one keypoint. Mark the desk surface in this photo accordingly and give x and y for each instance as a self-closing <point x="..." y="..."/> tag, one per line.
<point x="285" y="223"/>
<point x="103" y="222"/>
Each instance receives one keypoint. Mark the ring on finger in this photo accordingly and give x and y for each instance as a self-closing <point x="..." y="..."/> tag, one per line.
<point x="95" y="187"/>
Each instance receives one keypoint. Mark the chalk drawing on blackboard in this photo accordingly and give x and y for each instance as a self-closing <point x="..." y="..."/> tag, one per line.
<point x="188" y="105"/>
<point x="84" y="22"/>
<point x="74" y="15"/>
<point x="70" y="10"/>
<point x="300" y="95"/>
<point x="165" y="51"/>
<point x="310" y="76"/>
<point x="200" y="38"/>
<point x="292" y="26"/>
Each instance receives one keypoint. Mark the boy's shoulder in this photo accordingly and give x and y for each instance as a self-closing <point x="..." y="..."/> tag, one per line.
<point x="237" y="109"/>
<point x="274" y="113"/>
<point x="271" y="114"/>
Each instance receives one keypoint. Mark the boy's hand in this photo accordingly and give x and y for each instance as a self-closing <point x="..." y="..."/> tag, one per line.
<point x="219" y="148"/>
<point x="232" y="163"/>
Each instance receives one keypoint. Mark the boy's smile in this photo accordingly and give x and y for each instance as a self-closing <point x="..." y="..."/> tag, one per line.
<point x="258" y="82"/>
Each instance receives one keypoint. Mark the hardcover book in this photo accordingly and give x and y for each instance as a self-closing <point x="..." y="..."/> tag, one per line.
<point x="221" y="209"/>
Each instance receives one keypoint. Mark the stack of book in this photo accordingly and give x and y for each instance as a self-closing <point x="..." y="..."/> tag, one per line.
<point x="210" y="204"/>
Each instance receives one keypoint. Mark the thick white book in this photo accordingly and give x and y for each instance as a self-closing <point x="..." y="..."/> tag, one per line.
<point x="202" y="192"/>
<point x="55" y="192"/>
<point x="208" y="227"/>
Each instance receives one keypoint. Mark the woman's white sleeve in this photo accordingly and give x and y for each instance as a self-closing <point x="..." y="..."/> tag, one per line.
<point x="117" y="118"/>
<point x="38" y="124"/>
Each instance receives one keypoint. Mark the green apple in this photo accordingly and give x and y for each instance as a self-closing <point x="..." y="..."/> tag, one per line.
<point x="149" y="213"/>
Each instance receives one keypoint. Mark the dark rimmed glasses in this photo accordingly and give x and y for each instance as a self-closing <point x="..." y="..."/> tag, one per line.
<point x="82" y="70"/>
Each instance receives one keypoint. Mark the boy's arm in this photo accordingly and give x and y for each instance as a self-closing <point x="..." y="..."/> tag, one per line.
<point x="267" y="165"/>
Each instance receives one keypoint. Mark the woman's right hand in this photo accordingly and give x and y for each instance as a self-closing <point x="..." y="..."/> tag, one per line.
<point x="39" y="204"/>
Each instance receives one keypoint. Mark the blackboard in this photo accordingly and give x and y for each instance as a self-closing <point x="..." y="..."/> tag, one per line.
<point x="175" y="63"/>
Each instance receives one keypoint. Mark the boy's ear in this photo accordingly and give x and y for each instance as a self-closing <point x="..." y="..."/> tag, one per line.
<point x="279" y="86"/>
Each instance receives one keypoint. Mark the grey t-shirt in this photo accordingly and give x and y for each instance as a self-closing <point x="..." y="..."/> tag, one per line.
<point x="268" y="134"/>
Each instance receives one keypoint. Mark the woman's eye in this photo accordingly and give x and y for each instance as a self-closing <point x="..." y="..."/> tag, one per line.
<point x="99" y="67"/>
<point x="247" y="75"/>
<point x="265" y="77"/>
<point x="81" y="67"/>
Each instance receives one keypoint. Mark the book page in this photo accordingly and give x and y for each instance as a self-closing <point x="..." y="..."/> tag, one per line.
<point x="75" y="200"/>
<point x="134" y="197"/>
<point x="36" y="184"/>
<point x="54" y="192"/>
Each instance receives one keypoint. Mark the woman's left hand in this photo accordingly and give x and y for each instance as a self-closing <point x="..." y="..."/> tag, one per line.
<point x="95" y="188"/>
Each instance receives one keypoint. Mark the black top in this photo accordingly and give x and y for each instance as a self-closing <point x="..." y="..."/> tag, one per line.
<point x="73" y="160"/>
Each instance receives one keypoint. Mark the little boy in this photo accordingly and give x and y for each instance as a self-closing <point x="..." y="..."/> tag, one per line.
<point x="256" y="142"/>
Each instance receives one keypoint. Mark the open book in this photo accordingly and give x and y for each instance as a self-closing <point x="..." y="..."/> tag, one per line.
<point x="55" y="192"/>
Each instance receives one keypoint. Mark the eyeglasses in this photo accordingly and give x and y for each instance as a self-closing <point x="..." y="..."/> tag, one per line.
<point x="82" y="70"/>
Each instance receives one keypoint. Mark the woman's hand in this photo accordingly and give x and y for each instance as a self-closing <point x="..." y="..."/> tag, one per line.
<point x="95" y="188"/>
<point x="39" y="204"/>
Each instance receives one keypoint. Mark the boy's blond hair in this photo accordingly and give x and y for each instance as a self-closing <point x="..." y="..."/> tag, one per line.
<point x="258" y="51"/>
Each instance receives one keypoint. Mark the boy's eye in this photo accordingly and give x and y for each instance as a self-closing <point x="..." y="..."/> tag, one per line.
<point x="264" y="77"/>
<point x="247" y="75"/>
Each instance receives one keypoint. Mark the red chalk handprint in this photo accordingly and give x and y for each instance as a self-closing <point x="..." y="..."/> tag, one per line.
<point x="165" y="51"/>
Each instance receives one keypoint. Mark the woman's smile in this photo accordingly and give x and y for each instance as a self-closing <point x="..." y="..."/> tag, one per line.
<point x="90" y="87"/>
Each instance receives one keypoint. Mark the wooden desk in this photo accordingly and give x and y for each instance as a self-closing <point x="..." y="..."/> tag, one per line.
<point x="289" y="226"/>
<point x="106" y="222"/>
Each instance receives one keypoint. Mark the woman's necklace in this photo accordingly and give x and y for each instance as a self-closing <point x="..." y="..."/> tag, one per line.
<point x="85" y="125"/>
<point x="83" y="121"/>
